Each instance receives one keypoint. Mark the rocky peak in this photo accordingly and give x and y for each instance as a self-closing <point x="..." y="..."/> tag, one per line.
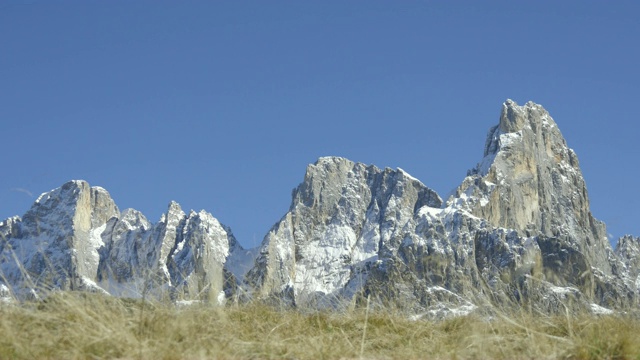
<point x="332" y="181"/>
<point x="174" y="211"/>
<point x="343" y="216"/>
<point x="530" y="180"/>
<point x="75" y="238"/>
<point x="169" y="229"/>
<point x="628" y="247"/>
<point x="514" y="118"/>
<point x="56" y="243"/>
<point x="520" y="220"/>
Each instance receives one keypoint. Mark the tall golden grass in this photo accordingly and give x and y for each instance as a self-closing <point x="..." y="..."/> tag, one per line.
<point x="91" y="326"/>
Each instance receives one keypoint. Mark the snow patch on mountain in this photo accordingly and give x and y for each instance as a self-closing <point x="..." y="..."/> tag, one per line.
<point x="518" y="230"/>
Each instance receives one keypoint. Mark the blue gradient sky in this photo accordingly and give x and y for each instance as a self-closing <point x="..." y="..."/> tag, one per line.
<point x="221" y="105"/>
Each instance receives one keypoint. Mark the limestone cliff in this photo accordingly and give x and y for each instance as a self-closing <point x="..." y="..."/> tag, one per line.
<point x="342" y="218"/>
<point x="517" y="232"/>
<point x="530" y="181"/>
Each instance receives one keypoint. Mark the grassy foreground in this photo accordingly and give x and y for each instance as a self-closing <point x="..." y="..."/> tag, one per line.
<point x="70" y="326"/>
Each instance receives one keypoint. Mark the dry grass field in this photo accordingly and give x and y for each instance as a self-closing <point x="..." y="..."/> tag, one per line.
<point x="85" y="326"/>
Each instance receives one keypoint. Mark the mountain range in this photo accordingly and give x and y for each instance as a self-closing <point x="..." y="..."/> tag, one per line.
<point x="518" y="232"/>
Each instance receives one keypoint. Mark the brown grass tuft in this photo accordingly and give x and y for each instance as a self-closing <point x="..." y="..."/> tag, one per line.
<point x="83" y="326"/>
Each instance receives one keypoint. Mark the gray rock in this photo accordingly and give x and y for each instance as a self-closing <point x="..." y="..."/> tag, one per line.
<point x="74" y="238"/>
<point x="55" y="245"/>
<point x="344" y="217"/>
<point x="517" y="232"/>
<point x="628" y="251"/>
<point x="530" y="181"/>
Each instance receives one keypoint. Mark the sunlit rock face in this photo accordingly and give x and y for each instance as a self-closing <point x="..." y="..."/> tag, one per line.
<point x="517" y="231"/>
<point x="530" y="181"/>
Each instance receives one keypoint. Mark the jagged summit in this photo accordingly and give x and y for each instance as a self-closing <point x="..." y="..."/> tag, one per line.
<point x="515" y="117"/>
<point x="520" y="220"/>
<point x="529" y="179"/>
<point x="75" y="238"/>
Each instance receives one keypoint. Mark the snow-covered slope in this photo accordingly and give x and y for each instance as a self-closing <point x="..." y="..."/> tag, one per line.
<point x="53" y="245"/>
<point x="75" y="238"/>
<point x="343" y="217"/>
<point x="518" y="232"/>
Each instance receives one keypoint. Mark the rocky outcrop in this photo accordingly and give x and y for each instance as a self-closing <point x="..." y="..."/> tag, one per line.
<point x="75" y="238"/>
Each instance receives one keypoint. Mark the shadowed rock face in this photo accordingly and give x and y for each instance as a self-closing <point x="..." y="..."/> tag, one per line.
<point x="518" y="232"/>
<point x="628" y="250"/>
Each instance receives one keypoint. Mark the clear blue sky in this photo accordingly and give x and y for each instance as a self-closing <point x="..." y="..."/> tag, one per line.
<point x="221" y="105"/>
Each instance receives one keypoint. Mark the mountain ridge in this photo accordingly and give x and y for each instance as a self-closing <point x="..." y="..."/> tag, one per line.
<point x="517" y="231"/>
